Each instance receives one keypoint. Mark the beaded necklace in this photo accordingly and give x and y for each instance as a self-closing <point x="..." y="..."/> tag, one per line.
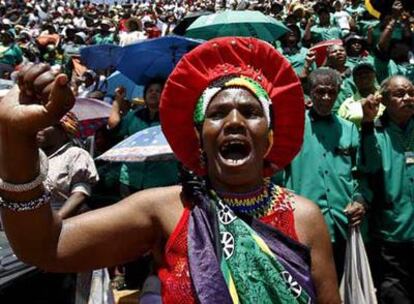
<point x="256" y="203"/>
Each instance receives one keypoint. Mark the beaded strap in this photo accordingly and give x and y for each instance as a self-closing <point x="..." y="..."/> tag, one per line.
<point x="44" y="167"/>
<point x="26" y="206"/>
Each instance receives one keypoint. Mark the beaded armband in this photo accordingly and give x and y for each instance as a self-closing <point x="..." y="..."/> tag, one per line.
<point x="44" y="167"/>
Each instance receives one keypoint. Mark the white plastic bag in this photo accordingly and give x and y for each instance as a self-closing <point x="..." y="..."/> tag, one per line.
<point x="94" y="288"/>
<point x="356" y="284"/>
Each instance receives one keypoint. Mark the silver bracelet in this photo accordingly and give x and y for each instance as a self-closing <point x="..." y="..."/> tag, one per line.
<point x="44" y="167"/>
<point x="28" y="205"/>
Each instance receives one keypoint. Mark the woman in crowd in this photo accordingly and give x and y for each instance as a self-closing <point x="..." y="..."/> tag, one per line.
<point x="72" y="172"/>
<point x="233" y="237"/>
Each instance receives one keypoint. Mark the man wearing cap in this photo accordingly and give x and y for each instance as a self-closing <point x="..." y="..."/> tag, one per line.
<point x="323" y="169"/>
<point x="364" y="77"/>
<point x="104" y="36"/>
<point x="356" y="50"/>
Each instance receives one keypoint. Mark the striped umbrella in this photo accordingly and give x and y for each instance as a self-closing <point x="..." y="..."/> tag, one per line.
<point x="147" y="145"/>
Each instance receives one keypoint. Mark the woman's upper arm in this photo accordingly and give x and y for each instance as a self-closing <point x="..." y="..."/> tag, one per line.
<point x="313" y="232"/>
<point x="100" y="238"/>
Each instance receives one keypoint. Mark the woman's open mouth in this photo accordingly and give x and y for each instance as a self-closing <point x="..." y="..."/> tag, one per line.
<point x="235" y="152"/>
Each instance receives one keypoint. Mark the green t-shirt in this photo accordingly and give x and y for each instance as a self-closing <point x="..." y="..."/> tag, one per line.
<point x="100" y="39"/>
<point x="388" y="154"/>
<point x="11" y="54"/>
<point x="358" y="9"/>
<point x="297" y="59"/>
<point x="148" y="174"/>
<point x="352" y="62"/>
<point x="387" y="68"/>
<point x="319" y="33"/>
<point x="348" y="89"/>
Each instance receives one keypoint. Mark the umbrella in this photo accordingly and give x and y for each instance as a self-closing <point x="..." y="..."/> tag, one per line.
<point x="117" y="79"/>
<point x="357" y="285"/>
<point x="101" y="57"/>
<point x="92" y="115"/>
<point x="321" y="48"/>
<point x="187" y="21"/>
<point x="147" y="145"/>
<point x="154" y="58"/>
<point x="89" y="108"/>
<point x="237" y="23"/>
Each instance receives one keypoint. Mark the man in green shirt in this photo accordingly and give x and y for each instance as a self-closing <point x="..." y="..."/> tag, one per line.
<point x="292" y="50"/>
<point x="357" y="51"/>
<point x="337" y="59"/>
<point x="323" y="170"/>
<point x="388" y="154"/>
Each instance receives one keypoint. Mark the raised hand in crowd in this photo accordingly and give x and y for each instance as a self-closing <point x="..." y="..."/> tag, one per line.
<point x="40" y="100"/>
<point x="370" y="38"/>
<point x="370" y="107"/>
<point x="120" y="106"/>
<point x="307" y="35"/>
<point x="309" y="61"/>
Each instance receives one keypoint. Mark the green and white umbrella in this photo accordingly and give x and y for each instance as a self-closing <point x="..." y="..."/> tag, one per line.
<point x="237" y="23"/>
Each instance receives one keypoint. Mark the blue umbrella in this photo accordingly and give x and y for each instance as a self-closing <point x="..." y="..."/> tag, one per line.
<point x="101" y="57"/>
<point x="117" y="79"/>
<point x="154" y="58"/>
<point x="146" y="145"/>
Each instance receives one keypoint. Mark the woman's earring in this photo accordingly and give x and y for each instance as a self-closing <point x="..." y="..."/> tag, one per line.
<point x="270" y="139"/>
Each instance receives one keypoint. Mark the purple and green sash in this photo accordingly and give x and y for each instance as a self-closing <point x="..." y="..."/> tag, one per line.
<point x="242" y="260"/>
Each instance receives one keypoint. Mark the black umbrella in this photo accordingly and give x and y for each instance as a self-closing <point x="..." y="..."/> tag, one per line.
<point x="187" y="20"/>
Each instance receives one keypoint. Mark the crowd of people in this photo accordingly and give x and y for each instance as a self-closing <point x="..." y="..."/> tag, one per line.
<point x="304" y="139"/>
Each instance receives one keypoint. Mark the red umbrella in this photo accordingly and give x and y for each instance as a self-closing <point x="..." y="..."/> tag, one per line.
<point x="320" y="50"/>
<point x="92" y="114"/>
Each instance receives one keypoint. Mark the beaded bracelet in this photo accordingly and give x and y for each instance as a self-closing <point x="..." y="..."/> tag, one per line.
<point x="28" y="205"/>
<point x="44" y="167"/>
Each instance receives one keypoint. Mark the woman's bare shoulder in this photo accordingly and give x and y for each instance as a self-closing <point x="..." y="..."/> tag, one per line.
<point x="305" y="209"/>
<point x="309" y="220"/>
